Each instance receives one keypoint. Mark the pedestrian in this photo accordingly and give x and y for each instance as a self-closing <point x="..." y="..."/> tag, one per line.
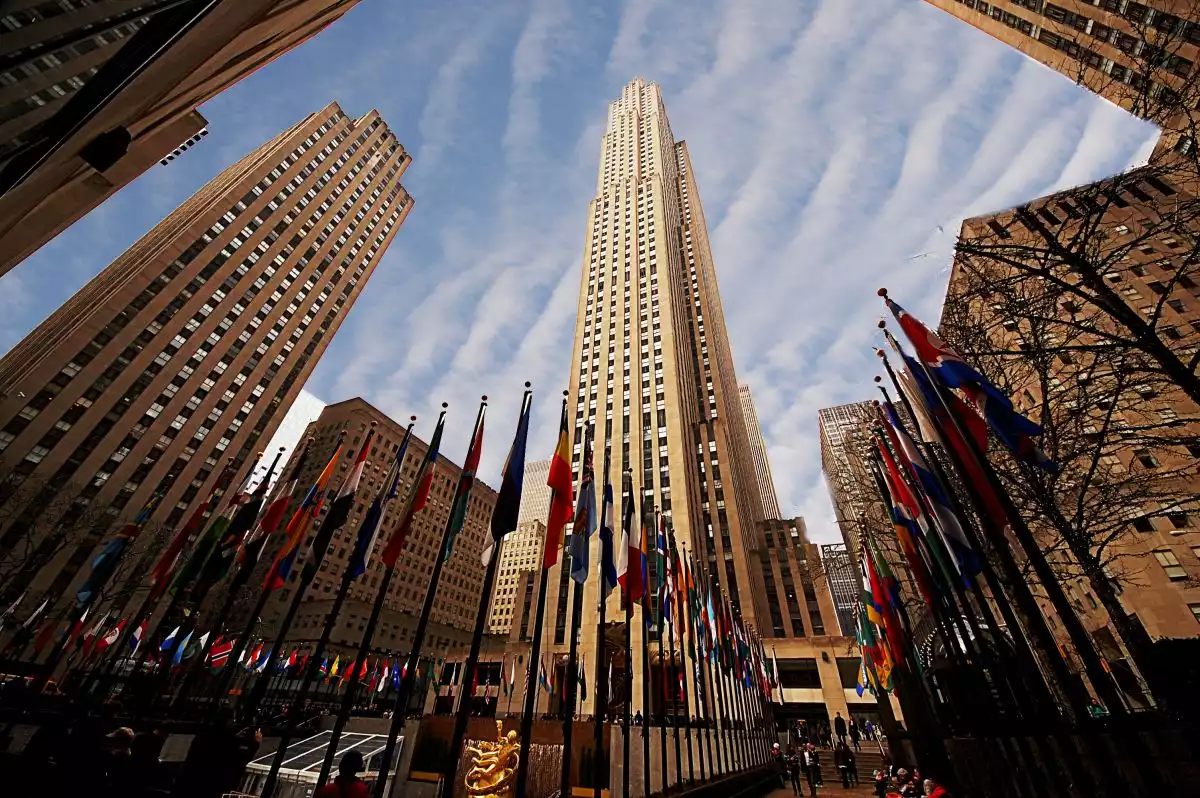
<point x="935" y="790"/>
<point x="812" y="761"/>
<point x="839" y="727"/>
<point x="793" y="766"/>
<point x="116" y="777"/>
<point x="870" y="727"/>
<point x="637" y="718"/>
<point x="855" y="735"/>
<point x="779" y="762"/>
<point x="852" y="766"/>
<point x="347" y="784"/>
<point x="881" y="783"/>
<point x="144" y="753"/>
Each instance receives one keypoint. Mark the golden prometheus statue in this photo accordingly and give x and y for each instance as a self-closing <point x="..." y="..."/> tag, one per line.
<point x="493" y="765"/>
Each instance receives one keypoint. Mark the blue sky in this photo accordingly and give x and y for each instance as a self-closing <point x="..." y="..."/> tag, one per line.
<point x="837" y="145"/>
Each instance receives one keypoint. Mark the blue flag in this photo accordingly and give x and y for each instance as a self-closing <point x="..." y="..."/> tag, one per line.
<point x="608" y="564"/>
<point x="370" y="524"/>
<point x="585" y="518"/>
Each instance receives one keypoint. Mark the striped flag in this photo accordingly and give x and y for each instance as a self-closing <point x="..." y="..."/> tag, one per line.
<point x="508" y="500"/>
<point x="561" y="493"/>
<point x="466" y="481"/>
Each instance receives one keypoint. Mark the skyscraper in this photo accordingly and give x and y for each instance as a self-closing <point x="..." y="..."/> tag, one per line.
<point x="758" y="450"/>
<point x="1127" y="52"/>
<point x="535" y="493"/>
<point x="521" y="553"/>
<point x="186" y="352"/>
<point x="841" y="573"/>
<point x="844" y="430"/>
<point x="652" y="373"/>
<point x="95" y="92"/>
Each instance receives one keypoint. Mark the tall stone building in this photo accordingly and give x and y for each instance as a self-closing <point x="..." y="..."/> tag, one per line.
<point x="758" y="450"/>
<point x="461" y="583"/>
<point x="521" y="553"/>
<point x="188" y="350"/>
<point x="818" y="664"/>
<point x="1143" y="57"/>
<point x="1105" y="45"/>
<point x="844" y="430"/>
<point x="535" y="493"/>
<point x="845" y="584"/>
<point x="651" y="370"/>
<point x="95" y="92"/>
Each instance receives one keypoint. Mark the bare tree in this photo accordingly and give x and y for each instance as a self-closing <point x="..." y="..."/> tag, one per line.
<point x="1116" y="422"/>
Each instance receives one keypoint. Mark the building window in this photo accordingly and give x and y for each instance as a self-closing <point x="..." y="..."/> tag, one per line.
<point x="1170" y="565"/>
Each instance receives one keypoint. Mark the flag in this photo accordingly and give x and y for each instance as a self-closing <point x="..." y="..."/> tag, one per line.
<point x="297" y="528"/>
<point x="364" y="544"/>
<point x="508" y="500"/>
<point x="77" y="627"/>
<point x="93" y="634"/>
<point x="165" y="567"/>
<point x="900" y="502"/>
<point x="45" y="635"/>
<point x="218" y="655"/>
<point x="561" y="498"/>
<point x="397" y="675"/>
<point x="1014" y="431"/>
<point x="348" y="671"/>
<point x="945" y="519"/>
<point x="263" y="659"/>
<point x="422" y="485"/>
<point x="339" y="509"/>
<point x="169" y="640"/>
<point x="543" y="680"/>
<point x="512" y="678"/>
<point x="12" y="608"/>
<point x="206" y="548"/>
<point x="662" y="570"/>
<point x="581" y="677"/>
<point x="179" y="649"/>
<point x="139" y="634"/>
<point x="383" y="679"/>
<point x="775" y="676"/>
<point x="630" y="567"/>
<point x="585" y="517"/>
<point x="608" y="564"/>
<point x="333" y="669"/>
<point x="110" y="554"/>
<point x="197" y="647"/>
<point x="466" y="481"/>
<point x="113" y="635"/>
<point x="273" y="516"/>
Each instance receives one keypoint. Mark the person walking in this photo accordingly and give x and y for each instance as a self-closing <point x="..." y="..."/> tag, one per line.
<point x="839" y="727"/>
<point x="347" y="784"/>
<point x="793" y="766"/>
<point x="855" y="735"/>
<point x="812" y="765"/>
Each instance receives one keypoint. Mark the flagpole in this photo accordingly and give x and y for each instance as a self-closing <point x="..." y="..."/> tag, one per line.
<point x="386" y="492"/>
<point x="627" y="511"/>
<point x="685" y="611"/>
<point x="152" y="596"/>
<point x="660" y="540"/>
<point x="697" y="677"/>
<point x="571" y="675"/>
<point x="526" y="734"/>
<point x="602" y="688"/>
<point x="1030" y="674"/>
<point x="463" y="713"/>
<point x="1079" y="638"/>
<point x="240" y="576"/>
<point x="320" y="545"/>
<point x="679" y="695"/>
<point x="400" y="709"/>
<point x="646" y="706"/>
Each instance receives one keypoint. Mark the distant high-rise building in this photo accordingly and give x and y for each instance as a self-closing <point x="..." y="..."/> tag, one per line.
<point x="844" y="438"/>
<point x="95" y="92"/>
<point x="535" y="493"/>
<point x="187" y="351"/>
<point x="845" y="584"/>
<point x="758" y="450"/>
<point x="458" y="592"/>
<point x="652" y="373"/>
<point x="521" y="552"/>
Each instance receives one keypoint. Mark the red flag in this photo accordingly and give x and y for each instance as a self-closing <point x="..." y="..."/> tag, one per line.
<point x="562" y="499"/>
<point x="419" y="498"/>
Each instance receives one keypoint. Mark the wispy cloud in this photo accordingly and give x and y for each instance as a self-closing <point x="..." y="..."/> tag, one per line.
<point x="837" y="144"/>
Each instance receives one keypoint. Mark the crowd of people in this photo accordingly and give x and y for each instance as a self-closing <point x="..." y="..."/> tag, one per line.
<point x="892" y="781"/>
